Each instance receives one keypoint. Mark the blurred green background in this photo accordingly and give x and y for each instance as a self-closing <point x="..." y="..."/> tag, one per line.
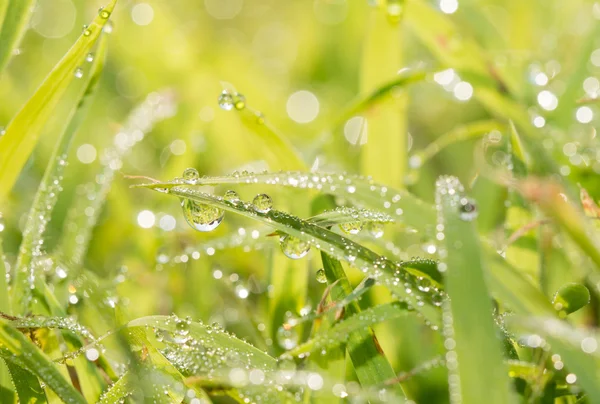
<point x="300" y="62"/>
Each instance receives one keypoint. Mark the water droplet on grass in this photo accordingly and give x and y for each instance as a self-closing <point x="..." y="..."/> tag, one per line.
<point x="103" y="13"/>
<point x="190" y="174"/>
<point x="293" y="247"/>
<point x="468" y="209"/>
<point x="226" y="101"/>
<point x="86" y="31"/>
<point x="287" y="338"/>
<point x="321" y="276"/>
<point x="78" y="73"/>
<point x="200" y="216"/>
<point x="351" y="227"/>
<point x="375" y="229"/>
<point x="89" y="58"/>
<point x="231" y="196"/>
<point x="262" y="203"/>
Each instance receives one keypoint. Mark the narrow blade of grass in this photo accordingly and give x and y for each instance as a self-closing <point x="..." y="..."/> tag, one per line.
<point x="370" y="364"/>
<point x="27" y="385"/>
<point x="119" y="390"/>
<point x="483" y="376"/>
<point x="388" y="273"/>
<point x="384" y="154"/>
<point x="47" y="194"/>
<point x="14" y="15"/>
<point x="22" y="352"/>
<point x="24" y="130"/>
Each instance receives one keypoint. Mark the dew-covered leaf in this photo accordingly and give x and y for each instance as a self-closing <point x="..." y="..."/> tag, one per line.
<point x="24" y="130"/>
<point x="468" y="321"/>
<point x="27" y="385"/>
<point x="571" y="297"/>
<point x="14" y="19"/>
<point x="16" y="348"/>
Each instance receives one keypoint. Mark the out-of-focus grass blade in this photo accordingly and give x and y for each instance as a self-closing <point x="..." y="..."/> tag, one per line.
<point x="370" y="364"/>
<point x="4" y="299"/>
<point x="14" y="16"/>
<point x="24" y="130"/>
<point x="549" y="196"/>
<point x="342" y="331"/>
<point x="16" y="348"/>
<point x="27" y="386"/>
<point x="388" y="273"/>
<point x="118" y="390"/>
<point x="483" y="375"/>
<point x="577" y="348"/>
<point x="384" y="155"/>
<point x="47" y="194"/>
<point x="459" y="134"/>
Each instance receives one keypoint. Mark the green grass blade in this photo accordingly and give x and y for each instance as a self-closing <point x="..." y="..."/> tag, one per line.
<point x="370" y="364"/>
<point x="388" y="273"/>
<point x="384" y="154"/>
<point x="401" y="205"/>
<point x="469" y="322"/>
<point x="577" y="348"/>
<point x="24" y="130"/>
<point x="14" y="15"/>
<point x="18" y="349"/>
<point x="342" y="331"/>
<point x="50" y="187"/>
<point x="27" y="386"/>
<point x="119" y="390"/>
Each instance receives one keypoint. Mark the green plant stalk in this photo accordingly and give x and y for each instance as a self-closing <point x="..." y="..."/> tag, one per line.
<point x="14" y="16"/>
<point x="51" y="185"/>
<point x="4" y="308"/>
<point x="385" y="154"/>
<point x="23" y="132"/>
<point x="370" y="363"/>
<point x="468" y="315"/>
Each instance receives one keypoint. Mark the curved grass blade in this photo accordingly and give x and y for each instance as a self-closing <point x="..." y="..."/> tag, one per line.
<point x="47" y="194"/>
<point x="15" y="347"/>
<point x="14" y="15"/>
<point x="577" y="348"/>
<point x="478" y="364"/>
<point x="348" y="214"/>
<point x="388" y="273"/>
<point x="400" y="205"/>
<point x="458" y="134"/>
<point x="119" y="390"/>
<point x="370" y="363"/>
<point x="78" y="225"/>
<point x="342" y="331"/>
<point x="27" y="386"/>
<point x="24" y="130"/>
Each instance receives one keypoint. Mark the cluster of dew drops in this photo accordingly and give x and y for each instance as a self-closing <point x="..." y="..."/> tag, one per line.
<point x="87" y="31"/>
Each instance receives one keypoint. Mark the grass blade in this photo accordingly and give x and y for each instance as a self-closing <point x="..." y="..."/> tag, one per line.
<point x="47" y="194"/>
<point x="15" y="15"/>
<point x="24" y="130"/>
<point x="388" y="273"/>
<point x="27" y="386"/>
<point x="19" y="350"/>
<point x="478" y="364"/>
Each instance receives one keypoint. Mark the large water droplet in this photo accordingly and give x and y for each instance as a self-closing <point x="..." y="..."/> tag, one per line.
<point x="103" y="13"/>
<point x="78" y="73"/>
<point x="351" y="227"/>
<point x="182" y="330"/>
<point x="321" y="276"/>
<point x="200" y="216"/>
<point x="375" y="229"/>
<point x="89" y="57"/>
<point x="467" y="209"/>
<point x="226" y="100"/>
<point x="231" y="196"/>
<point x="190" y="174"/>
<point x="287" y="338"/>
<point x="262" y="203"/>
<point x="293" y="247"/>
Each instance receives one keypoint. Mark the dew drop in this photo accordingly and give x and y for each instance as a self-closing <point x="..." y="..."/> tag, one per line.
<point x="437" y="299"/>
<point x="423" y="284"/>
<point x="182" y="330"/>
<point x="375" y="229"/>
<point x="394" y="10"/>
<point x="239" y="101"/>
<point x="190" y="174"/>
<point x="86" y="31"/>
<point x="321" y="276"/>
<point x="78" y="73"/>
<point x="231" y="196"/>
<point x="226" y="100"/>
<point x="108" y="27"/>
<point x="351" y="227"/>
<point x="260" y="118"/>
<point x="287" y="338"/>
<point x="2" y="225"/>
<point x="293" y="247"/>
<point x="200" y="216"/>
<point x="89" y="57"/>
<point x="103" y="13"/>
<point x="262" y="203"/>
<point x="468" y="209"/>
